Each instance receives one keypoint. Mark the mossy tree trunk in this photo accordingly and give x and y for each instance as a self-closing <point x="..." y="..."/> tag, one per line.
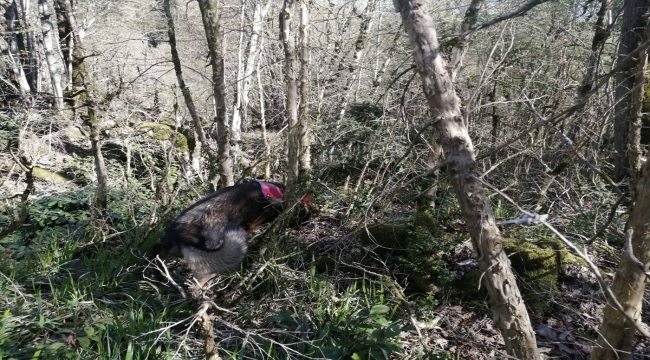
<point x="509" y="312"/>
<point x="210" y="17"/>
<point x="616" y="333"/>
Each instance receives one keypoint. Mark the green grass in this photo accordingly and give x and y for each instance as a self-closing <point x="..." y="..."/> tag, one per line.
<point x="69" y="290"/>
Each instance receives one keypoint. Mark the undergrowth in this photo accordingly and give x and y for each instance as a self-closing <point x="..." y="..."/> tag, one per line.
<point x="73" y="289"/>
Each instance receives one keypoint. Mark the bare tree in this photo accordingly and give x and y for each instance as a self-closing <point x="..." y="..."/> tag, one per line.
<point x="252" y="54"/>
<point x="302" y="128"/>
<point x="187" y="96"/>
<point x="360" y="45"/>
<point x="11" y="47"/>
<point x="84" y="96"/>
<point x="628" y="89"/>
<point x="210" y="16"/>
<point x="617" y="333"/>
<point x="288" y="44"/>
<point x="51" y="57"/>
<point x="508" y="308"/>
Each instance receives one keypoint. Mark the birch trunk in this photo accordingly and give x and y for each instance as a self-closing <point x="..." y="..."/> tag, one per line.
<point x="302" y="128"/>
<point x="50" y="56"/>
<point x="509" y="312"/>
<point x="237" y="103"/>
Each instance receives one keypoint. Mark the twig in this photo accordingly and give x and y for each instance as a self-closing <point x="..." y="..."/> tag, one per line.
<point x="580" y="157"/>
<point x="577" y="106"/>
<point x="630" y="252"/>
<point x="165" y="272"/>
<point x="610" y="218"/>
<point x="609" y="295"/>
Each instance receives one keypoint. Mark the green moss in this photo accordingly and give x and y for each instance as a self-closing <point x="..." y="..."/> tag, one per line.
<point x="48" y="175"/>
<point x="539" y="264"/>
<point x="166" y="132"/>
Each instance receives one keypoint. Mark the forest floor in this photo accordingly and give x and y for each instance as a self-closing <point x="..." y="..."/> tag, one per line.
<point x="74" y="289"/>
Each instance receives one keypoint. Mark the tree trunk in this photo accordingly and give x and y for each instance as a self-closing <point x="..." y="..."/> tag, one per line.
<point x="29" y="46"/>
<point x="359" y="47"/>
<point x="66" y="40"/>
<point x="462" y="43"/>
<point x="187" y="96"/>
<point x="50" y="56"/>
<point x="237" y="103"/>
<point x="83" y="88"/>
<point x="252" y="53"/>
<point x="209" y="15"/>
<point x="601" y="34"/>
<point x="509" y="312"/>
<point x="265" y="138"/>
<point x="302" y="128"/>
<point x="292" y="94"/>
<point x="632" y="32"/>
<point x="13" y="49"/>
<point x="616" y="333"/>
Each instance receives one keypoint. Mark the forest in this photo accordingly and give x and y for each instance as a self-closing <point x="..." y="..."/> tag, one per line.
<point x="456" y="180"/>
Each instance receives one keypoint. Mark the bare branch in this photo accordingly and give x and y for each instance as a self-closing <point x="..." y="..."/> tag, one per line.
<point x="630" y="252"/>
<point x="609" y="295"/>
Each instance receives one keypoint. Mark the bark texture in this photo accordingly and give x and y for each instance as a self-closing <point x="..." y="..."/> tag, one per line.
<point x="12" y="48"/>
<point x="617" y="333"/>
<point x="84" y="97"/>
<point x="51" y="57"/>
<point x="210" y="16"/>
<point x="633" y="26"/>
<point x="509" y="312"/>
<point x="288" y="44"/>
<point x="302" y="128"/>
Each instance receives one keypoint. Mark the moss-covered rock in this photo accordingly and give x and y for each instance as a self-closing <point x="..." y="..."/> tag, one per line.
<point x="166" y="132"/>
<point x="539" y="265"/>
<point x="48" y="175"/>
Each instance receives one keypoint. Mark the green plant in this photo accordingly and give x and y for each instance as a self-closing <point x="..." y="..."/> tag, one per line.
<point x="365" y="334"/>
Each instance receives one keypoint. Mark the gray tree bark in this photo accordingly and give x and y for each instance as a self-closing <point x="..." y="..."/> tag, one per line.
<point x="288" y="44"/>
<point x="12" y="48"/>
<point x="187" y="95"/>
<point x="210" y="16"/>
<point x="634" y="23"/>
<point x="509" y="312"/>
<point x="302" y="128"/>
<point x="617" y="333"/>
<point x="51" y="57"/>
